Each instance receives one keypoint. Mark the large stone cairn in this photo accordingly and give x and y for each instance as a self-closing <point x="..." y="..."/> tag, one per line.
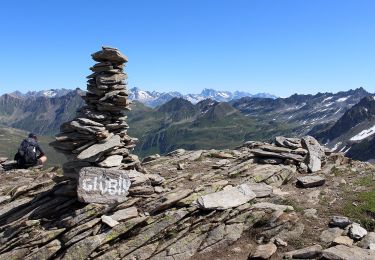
<point x="98" y="137"/>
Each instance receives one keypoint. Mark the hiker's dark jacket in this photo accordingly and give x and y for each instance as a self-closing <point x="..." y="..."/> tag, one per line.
<point x="35" y="147"/>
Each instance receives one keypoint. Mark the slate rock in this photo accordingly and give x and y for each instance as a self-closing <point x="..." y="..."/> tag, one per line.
<point x="341" y="252"/>
<point x="261" y="189"/>
<point x="15" y="254"/>
<point x="125" y="214"/>
<point x="45" y="252"/>
<point x="310" y="181"/>
<point x="330" y="234"/>
<point x="343" y="240"/>
<point x="172" y="198"/>
<point x="109" y="221"/>
<point x="279" y="141"/>
<point x="100" y="185"/>
<point x="109" y="54"/>
<point x="91" y="153"/>
<point x="357" y="232"/>
<point x="226" y="199"/>
<point x="111" y="161"/>
<point x="315" y="153"/>
<point x="267" y="154"/>
<point x="340" y="221"/>
<point x="264" y="251"/>
<point x="367" y="240"/>
<point x="311" y="252"/>
<point x="274" y="207"/>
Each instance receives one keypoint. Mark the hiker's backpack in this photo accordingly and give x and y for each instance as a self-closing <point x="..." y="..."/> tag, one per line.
<point x="27" y="153"/>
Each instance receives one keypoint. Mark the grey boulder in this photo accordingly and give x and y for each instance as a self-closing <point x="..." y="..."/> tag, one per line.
<point x="310" y="181"/>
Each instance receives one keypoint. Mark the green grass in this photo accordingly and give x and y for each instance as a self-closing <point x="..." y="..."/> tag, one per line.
<point x="366" y="181"/>
<point x="360" y="206"/>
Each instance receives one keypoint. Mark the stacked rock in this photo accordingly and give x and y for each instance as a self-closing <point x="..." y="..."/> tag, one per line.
<point x="98" y="137"/>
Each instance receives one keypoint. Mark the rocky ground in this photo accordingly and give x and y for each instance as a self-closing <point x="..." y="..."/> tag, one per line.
<point x="260" y="201"/>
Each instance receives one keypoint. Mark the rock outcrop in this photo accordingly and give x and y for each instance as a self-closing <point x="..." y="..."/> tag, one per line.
<point x="219" y="199"/>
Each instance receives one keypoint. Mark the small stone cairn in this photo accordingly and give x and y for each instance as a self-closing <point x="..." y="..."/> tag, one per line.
<point x="96" y="141"/>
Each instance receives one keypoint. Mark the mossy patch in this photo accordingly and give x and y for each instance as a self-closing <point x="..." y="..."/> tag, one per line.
<point x="292" y="203"/>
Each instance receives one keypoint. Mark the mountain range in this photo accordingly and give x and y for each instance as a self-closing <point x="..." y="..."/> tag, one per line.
<point x="354" y="133"/>
<point x="154" y="98"/>
<point x="334" y="118"/>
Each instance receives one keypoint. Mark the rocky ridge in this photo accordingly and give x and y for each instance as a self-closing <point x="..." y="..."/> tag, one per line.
<point x="242" y="203"/>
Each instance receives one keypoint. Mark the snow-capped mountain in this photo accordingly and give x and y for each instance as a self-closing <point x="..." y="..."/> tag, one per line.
<point x="50" y="93"/>
<point x="154" y="98"/>
<point x="354" y="133"/>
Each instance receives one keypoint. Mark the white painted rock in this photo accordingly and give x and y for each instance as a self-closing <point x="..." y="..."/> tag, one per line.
<point x="100" y="185"/>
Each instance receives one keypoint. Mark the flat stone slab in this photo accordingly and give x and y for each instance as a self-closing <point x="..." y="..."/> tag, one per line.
<point x="109" y="54"/>
<point x="275" y="207"/>
<point x="264" y="251"/>
<point x="329" y="235"/>
<point x="105" y="186"/>
<point x="340" y="221"/>
<point x="226" y="199"/>
<point x="125" y="214"/>
<point x="109" y="221"/>
<point x="111" y="161"/>
<point x="261" y="189"/>
<point x="348" y="253"/>
<point x="267" y="154"/>
<point x="311" y="252"/>
<point x="343" y="240"/>
<point x="92" y="153"/>
<point x="310" y="181"/>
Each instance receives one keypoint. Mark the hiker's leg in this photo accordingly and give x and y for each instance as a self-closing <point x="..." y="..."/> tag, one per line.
<point x="42" y="160"/>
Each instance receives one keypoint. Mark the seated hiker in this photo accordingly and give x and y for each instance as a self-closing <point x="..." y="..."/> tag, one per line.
<point x="30" y="153"/>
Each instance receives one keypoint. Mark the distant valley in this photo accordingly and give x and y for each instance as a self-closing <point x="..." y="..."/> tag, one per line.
<point x="212" y="120"/>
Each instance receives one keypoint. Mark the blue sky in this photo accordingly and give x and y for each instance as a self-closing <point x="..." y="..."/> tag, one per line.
<point x="280" y="46"/>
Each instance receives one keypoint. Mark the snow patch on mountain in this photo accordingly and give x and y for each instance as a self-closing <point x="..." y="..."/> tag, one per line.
<point x="364" y="134"/>
<point x="336" y="146"/>
<point x="343" y="99"/>
<point x="50" y="93"/>
<point x="326" y="99"/>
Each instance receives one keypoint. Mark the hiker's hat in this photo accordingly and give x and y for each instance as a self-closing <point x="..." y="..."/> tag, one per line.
<point x="32" y="135"/>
